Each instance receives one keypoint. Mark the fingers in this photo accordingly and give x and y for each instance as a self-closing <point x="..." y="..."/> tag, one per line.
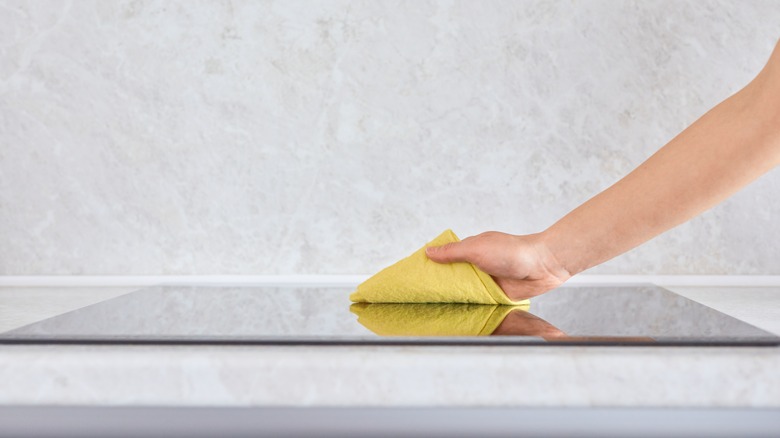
<point x="450" y="253"/>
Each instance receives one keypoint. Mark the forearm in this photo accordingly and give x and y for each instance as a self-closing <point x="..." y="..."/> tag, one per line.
<point x="730" y="146"/>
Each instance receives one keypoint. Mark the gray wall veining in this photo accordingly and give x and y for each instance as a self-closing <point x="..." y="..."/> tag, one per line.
<point x="280" y="137"/>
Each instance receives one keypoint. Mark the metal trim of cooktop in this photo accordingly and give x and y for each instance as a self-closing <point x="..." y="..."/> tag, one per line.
<point x="381" y="341"/>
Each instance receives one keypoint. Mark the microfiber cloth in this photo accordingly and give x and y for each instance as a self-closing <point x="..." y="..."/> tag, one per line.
<point x="431" y="319"/>
<point x="418" y="279"/>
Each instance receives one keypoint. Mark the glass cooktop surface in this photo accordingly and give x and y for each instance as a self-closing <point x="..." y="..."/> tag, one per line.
<point x="605" y="315"/>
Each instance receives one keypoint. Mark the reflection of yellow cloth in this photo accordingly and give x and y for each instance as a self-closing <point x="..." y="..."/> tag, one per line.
<point x="436" y="319"/>
<point x="417" y="279"/>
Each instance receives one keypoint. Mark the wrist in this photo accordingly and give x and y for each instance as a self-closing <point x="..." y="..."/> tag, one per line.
<point x="558" y="256"/>
<point x="551" y="262"/>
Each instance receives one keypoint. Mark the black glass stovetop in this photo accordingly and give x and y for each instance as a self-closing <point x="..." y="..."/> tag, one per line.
<point x="605" y="315"/>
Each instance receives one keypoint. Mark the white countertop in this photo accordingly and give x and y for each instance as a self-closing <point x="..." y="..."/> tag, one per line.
<point x="391" y="375"/>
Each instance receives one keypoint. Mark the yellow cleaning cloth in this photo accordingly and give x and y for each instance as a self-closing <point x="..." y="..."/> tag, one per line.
<point x="393" y="319"/>
<point x="417" y="279"/>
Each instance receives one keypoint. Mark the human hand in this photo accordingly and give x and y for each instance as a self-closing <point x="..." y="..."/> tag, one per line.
<point x="523" y="266"/>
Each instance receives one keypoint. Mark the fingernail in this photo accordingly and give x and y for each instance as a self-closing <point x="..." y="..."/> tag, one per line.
<point x="431" y="249"/>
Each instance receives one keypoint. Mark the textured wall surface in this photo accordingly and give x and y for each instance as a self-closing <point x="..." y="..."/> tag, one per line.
<point x="335" y="137"/>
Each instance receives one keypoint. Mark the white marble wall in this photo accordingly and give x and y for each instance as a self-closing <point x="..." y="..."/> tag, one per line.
<point x="245" y="137"/>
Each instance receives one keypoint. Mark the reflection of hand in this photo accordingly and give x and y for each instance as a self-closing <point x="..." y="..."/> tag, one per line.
<point x="522" y="266"/>
<point x="521" y="323"/>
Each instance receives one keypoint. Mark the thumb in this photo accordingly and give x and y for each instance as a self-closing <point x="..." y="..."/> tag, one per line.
<point x="449" y="253"/>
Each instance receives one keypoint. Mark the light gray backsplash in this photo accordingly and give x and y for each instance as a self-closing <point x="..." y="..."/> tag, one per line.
<point x="335" y="137"/>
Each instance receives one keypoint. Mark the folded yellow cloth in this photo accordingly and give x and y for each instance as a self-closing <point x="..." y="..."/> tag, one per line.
<point x="431" y="319"/>
<point x="417" y="279"/>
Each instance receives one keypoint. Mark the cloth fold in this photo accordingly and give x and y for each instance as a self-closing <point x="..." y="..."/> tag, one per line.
<point x="431" y="319"/>
<point x="418" y="279"/>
